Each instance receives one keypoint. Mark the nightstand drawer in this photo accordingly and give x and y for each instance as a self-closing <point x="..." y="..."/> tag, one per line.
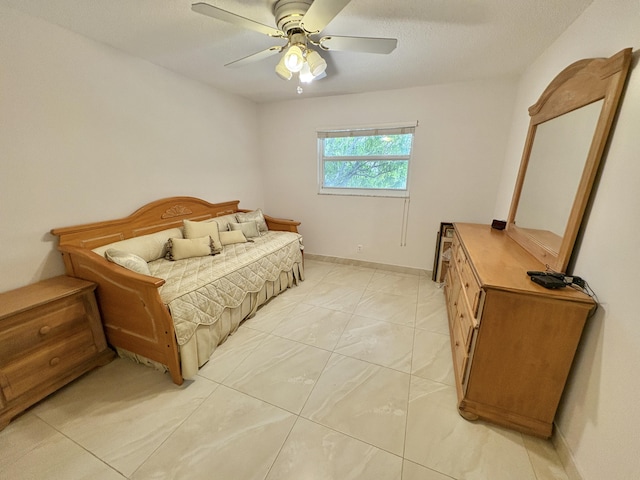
<point x="47" y="364"/>
<point x="33" y="328"/>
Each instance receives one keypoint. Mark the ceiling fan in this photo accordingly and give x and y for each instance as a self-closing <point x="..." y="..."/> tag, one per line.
<point x="300" y="23"/>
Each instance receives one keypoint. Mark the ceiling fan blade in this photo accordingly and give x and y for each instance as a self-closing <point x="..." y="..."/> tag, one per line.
<point x="255" y="57"/>
<point x="320" y="13"/>
<point x="215" y="12"/>
<point x="359" y="44"/>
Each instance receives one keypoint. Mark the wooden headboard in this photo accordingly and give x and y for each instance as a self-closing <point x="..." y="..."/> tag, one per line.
<point x="153" y="217"/>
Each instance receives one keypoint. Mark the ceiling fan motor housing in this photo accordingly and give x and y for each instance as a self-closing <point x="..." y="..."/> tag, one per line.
<point x="289" y="13"/>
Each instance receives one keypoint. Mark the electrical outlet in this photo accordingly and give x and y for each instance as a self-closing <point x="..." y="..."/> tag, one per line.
<point x="359" y="249"/>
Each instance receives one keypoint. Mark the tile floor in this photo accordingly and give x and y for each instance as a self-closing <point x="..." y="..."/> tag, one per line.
<point x="347" y="376"/>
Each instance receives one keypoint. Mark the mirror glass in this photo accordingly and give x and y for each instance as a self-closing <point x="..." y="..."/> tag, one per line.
<point x="558" y="155"/>
<point x="567" y="135"/>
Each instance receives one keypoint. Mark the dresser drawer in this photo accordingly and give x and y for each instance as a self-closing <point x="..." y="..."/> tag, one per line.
<point x="49" y="363"/>
<point x="471" y="288"/>
<point x="459" y="351"/>
<point x="30" y="329"/>
<point x="464" y="321"/>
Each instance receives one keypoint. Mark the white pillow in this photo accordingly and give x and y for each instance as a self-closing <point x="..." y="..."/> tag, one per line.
<point x="127" y="260"/>
<point x="236" y="236"/>
<point x="202" y="229"/>
<point x="249" y="229"/>
<point x="255" y="216"/>
<point x="223" y="221"/>
<point x="179" y="248"/>
<point x="149" y="247"/>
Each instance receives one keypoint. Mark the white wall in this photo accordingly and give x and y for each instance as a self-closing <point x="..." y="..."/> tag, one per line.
<point x="599" y="414"/>
<point x="458" y="153"/>
<point x="88" y="134"/>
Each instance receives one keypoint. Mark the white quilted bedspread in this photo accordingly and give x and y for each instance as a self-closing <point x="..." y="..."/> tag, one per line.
<point x="197" y="290"/>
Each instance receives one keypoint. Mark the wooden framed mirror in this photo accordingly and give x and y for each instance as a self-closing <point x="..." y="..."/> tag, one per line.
<point x="568" y="131"/>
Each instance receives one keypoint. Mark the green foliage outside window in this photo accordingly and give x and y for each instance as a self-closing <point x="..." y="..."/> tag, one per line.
<point x="386" y="168"/>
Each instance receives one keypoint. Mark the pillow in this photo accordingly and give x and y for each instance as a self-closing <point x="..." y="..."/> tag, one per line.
<point x="202" y="229"/>
<point x="127" y="260"/>
<point x="223" y="221"/>
<point x="148" y="247"/>
<point x="179" y="248"/>
<point x="236" y="236"/>
<point x="255" y="216"/>
<point x="249" y="229"/>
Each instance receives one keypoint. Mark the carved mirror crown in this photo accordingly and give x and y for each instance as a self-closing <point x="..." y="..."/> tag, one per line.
<point x="568" y="131"/>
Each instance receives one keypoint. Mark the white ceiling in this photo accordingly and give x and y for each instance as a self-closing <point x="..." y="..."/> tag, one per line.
<point x="439" y="41"/>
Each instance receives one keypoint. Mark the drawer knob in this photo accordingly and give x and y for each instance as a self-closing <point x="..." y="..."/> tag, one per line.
<point x="44" y="330"/>
<point x="54" y="361"/>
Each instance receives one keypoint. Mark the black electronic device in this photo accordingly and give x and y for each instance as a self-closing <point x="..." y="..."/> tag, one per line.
<point x="548" y="281"/>
<point x="498" y="224"/>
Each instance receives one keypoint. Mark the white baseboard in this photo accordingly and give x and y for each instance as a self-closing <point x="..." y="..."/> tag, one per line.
<point x="361" y="263"/>
<point x="562" y="448"/>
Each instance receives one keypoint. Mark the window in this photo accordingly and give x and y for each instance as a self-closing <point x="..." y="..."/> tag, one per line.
<point x="365" y="161"/>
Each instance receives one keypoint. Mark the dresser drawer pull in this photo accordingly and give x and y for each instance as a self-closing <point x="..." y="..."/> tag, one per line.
<point x="44" y="330"/>
<point x="54" y="361"/>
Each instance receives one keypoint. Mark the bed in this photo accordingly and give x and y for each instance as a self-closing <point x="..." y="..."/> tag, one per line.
<point x="175" y="315"/>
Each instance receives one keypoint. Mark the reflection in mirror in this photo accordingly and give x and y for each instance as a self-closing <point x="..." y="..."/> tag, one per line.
<point x="557" y="160"/>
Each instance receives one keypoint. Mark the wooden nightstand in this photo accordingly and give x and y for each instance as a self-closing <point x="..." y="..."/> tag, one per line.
<point x="50" y="334"/>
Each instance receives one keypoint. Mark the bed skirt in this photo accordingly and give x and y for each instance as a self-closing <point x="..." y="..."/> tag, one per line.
<point x="199" y="348"/>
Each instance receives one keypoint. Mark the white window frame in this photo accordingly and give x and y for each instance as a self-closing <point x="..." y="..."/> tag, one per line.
<point x="386" y="129"/>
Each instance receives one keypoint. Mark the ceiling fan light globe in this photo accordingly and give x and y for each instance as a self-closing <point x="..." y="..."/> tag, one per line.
<point x="294" y="59"/>
<point x="305" y="74"/>
<point x="317" y="64"/>
<point x="282" y="71"/>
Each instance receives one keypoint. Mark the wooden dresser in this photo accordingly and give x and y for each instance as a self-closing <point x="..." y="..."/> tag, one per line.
<point x="50" y="334"/>
<point x="512" y="340"/>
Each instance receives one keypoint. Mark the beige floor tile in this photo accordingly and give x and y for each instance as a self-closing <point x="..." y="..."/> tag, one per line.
<point x="335" y="296"/>
<point x="428" y="286"/>
<point x="269" y="316"/>
<point x="350" y="276"/>
<point x="432" y="357"/>
<point x="394" y="283"/>
<point x="316" y="452"/>
<point x="230" y="436"/>
<point x="280" y="371"/>
<point x="312" y="325"/>
<point x="298" y="292"/>
<point x="400" y="309"/>
<point x="431" y="313"/>
<point x="122" y="412"/>
<point x="363" y="400"/>
<point x="31" y="449"/>
<point x="376" y="341"/>
<point x="413" y="471"/>
<point x="315" y="270"/>
<point x="440" y="439"/>
<point x="231" y="353"/>
<point x="544" y="458"/>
